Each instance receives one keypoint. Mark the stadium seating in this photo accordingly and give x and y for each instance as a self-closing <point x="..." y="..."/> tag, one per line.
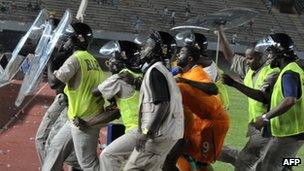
<point x="121" y="15"/>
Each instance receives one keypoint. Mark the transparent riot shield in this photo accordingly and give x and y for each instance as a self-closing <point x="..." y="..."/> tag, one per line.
<point x="2" y="65"/>
<point x="230" y="18"/>
<point x="33" y="33"/>
<point x="31" y="79"/>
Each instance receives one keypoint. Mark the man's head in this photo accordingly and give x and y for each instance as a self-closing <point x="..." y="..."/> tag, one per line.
<point x="122" y="51"/>
<point x="201" y="43"/>
<point x="280" y="47"/>
<point x="55" y="21"/>
<point x="115" y="65"/>
<point x="254" y="59"/>
<point x="159" y="46"/>
<point x="188" y="56"/>
<point x="194" y="39"/>
<point x="129" y="53"/>
<point x="79" y="37"/>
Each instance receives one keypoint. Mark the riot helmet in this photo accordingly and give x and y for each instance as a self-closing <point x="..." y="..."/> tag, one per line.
<point x="80" y="35"/>
<point x="201" y="43"/>
<point x="194" y="39"/>
<point x="279" y="44"/>
<point x="159" y="45"/>
<point x="121" y="51"/>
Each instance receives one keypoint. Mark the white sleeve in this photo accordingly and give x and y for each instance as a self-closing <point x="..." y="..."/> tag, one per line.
<point x="212" y="71"/>
<point x="110" y="87"/>
<point x="67" y="70"/>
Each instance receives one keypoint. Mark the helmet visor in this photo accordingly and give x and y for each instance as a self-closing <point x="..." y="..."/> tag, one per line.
<point x="187" y="37"/>
<point x="109" y="48"/>
<point x="147" y="48"/>
<point x="265" y="45"/>
<point x="141" y="39"/>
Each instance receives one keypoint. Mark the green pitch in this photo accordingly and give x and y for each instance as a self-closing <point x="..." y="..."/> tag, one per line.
<point x="236" y="136"/>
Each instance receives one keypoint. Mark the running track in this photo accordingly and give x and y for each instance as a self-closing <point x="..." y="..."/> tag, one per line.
<point x="18" y="126"/>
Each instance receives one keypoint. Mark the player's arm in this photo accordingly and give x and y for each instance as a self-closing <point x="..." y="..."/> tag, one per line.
<point x="102" y="118"/>
<point x="209" y="88"/>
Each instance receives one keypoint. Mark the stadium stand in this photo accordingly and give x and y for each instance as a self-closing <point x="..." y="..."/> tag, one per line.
<point x="120" y="16"/>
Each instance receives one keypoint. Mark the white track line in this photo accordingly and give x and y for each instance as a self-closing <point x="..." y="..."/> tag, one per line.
<point x="13" y="118"/>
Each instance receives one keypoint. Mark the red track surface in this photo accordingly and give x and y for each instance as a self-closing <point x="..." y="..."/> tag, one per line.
<point x="17" y="142"/>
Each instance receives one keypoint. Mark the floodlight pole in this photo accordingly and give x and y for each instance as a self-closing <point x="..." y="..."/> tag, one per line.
<point x="81" y="10"/>
<point x="217" y="49"/>
<point x="1" y="70"/>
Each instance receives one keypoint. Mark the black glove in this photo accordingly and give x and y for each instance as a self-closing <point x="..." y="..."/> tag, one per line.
<point x="228" y="80"/>
<point x="112" y="106"/>
<point x="80" y="123"/>
<point x="127" y="77"/>
<point x="57" y="59"/>
<point x="180" y="80"/>
<point x="141" y="142"/>
<point x="137" y="83"/>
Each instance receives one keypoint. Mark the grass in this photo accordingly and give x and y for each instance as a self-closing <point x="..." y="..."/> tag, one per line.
<point x="236" y="136"/>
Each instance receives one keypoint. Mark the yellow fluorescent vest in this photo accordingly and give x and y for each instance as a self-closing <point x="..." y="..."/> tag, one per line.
<point x="129" y="107"/>
<point x="223" y="93"/>
<point x="292" y="121"/>
<point x="81" y="101"/>
<point x="256" y="108"/>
